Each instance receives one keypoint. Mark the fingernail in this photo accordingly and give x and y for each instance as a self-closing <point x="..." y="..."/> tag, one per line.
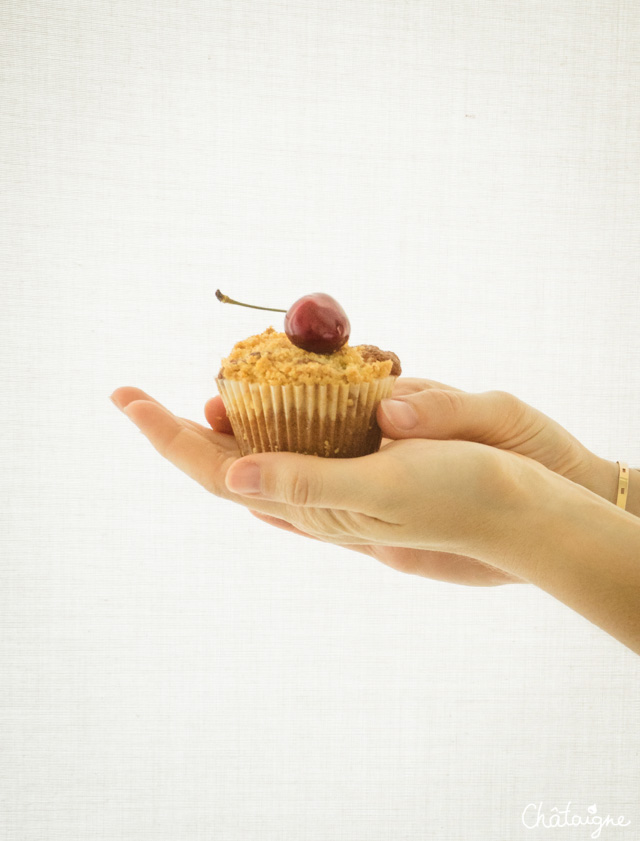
<point x="115" y="402"/>
<point x="402" y="415"/>
<point x="245" y="479"/>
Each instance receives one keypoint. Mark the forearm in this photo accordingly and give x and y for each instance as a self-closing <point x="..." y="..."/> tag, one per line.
<point x="581" y="549"/>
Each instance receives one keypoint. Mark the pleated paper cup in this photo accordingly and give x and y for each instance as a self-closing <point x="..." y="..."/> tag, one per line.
<point x="334" y="421"/>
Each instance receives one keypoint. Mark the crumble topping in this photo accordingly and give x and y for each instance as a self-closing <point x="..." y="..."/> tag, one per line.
<point x="270" y="357"/>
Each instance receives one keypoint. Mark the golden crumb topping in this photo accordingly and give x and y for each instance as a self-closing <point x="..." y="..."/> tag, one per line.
<point x="270" y="357"/>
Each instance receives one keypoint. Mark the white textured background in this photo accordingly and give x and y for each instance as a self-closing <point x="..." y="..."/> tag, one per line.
<point x="465" y="178"/>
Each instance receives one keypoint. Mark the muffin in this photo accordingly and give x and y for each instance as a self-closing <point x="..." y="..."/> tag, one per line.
<point x="282" y="398"/>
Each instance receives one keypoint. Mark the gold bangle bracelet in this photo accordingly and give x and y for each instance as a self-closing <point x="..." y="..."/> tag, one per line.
<point x="623" y="484"/>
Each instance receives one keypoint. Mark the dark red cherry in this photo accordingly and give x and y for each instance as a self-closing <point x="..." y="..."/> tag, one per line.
<point x="317" y="323"/>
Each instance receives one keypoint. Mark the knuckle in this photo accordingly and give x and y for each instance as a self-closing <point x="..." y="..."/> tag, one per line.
<point x="452" y="400"/>
<point x="516" y="421"/>
<point x="299" y="490"/>
<point x="507" y="402"/>
<point x="170" y="446"/>
<point x="444" y="402"/>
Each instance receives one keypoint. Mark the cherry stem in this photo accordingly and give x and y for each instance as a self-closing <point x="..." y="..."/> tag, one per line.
<point x="227" y="300"/>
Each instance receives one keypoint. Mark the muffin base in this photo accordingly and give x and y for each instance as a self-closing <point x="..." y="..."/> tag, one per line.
<point x="332" y="421"/>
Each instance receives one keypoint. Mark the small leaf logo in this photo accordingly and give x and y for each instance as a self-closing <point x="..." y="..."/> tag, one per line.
<point x="592" y="809"/>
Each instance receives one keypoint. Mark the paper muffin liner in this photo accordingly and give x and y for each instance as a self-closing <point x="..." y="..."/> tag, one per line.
<point x="334" y="421"/>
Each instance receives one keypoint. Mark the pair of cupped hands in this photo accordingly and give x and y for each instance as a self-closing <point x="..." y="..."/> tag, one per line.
<point x="440" y="499"/>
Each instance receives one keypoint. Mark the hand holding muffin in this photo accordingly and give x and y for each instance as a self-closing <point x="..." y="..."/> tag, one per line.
<point x="466" y="511"/>
<point x="313" y="356"/>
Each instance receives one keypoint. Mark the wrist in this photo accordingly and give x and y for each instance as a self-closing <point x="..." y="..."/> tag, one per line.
<point x="605" y="484"/>
<point x="548" y="519"/>
<point x="561" y="537"/>
<point x="583" y="551"/>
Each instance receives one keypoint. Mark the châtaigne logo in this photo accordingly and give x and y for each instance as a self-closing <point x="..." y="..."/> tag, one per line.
<point x="535" y="816"/>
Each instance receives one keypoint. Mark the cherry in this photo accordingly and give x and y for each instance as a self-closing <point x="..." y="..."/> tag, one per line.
<point x="316" y="322"/>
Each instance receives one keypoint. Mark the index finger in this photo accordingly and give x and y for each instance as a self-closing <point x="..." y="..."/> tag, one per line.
<point x="126" y="394"/>
<point x="196" y="452"/>
<point x="202" y="454"/>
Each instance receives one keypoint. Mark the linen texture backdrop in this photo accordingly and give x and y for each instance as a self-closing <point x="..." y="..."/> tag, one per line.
<point x="464" y="178"/>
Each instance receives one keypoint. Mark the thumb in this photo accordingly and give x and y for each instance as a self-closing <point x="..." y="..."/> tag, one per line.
<point x="302" y="480"/>
<point x="490" y="417"/>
